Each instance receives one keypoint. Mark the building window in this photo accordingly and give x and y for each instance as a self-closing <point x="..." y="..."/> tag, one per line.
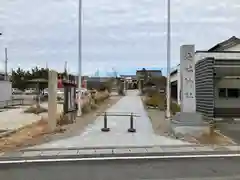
<point x="228" y="93"/>
<point x="222" y="93"/>
<point x="233" y="93"/>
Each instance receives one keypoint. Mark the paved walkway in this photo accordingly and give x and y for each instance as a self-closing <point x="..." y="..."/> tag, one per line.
<point x="118" y="135"/>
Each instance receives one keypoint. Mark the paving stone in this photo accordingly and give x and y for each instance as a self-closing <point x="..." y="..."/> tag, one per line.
<point x="220" y="148"/>
<point x="50" y="153"/>
<point x="104" y="151"/>
<point x="138" y="150"/>
<point x="86" y="152"/>
<point x="13" y="154"/>
<point x="121" y="151"/>
<point x="68" y="152"/>
<point x="234" y="148"/>
<point x="202" y="148"/>
<point x="178" y="149"/>
<point x="154" y="150"/>
<point x="31" y="153"/>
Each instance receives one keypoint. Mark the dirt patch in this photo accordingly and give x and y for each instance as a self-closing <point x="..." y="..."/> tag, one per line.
<point x="214" y="138"/>
<point x="38" y="133"/>
<point x="159" y="124"/>
<point x="157" y="118"/>
<point x="26" y="135"/>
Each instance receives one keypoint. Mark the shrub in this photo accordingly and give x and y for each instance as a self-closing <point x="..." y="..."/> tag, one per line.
<point x="175" y="108"/>
<point x="36" y="110"/>
<point x="156" y="100"/>
<point x="101" y="96"/>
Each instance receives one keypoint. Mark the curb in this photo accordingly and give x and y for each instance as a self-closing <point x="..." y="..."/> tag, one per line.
<point x="166" y="155"/>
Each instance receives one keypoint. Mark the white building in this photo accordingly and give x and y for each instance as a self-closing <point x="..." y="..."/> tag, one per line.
<point x="217" y="73"/>
<point x="5" y="90"/>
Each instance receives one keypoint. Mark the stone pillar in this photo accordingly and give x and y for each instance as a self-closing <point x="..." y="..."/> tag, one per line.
<point x="187" y="78"/>
<point x="178" y="86"/>
<point x="52" y="99"/>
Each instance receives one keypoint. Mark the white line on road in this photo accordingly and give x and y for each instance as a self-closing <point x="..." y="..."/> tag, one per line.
<point x="118" y="158"/>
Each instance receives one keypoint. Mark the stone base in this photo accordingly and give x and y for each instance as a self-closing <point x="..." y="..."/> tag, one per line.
<point x="132" y="130"/>
<point x="105" y="129"/>
<point x="189" y="124"/>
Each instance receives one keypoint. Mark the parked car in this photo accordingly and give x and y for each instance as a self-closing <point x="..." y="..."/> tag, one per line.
<point x="30" y="91"/>
<point x="16" y="91"/>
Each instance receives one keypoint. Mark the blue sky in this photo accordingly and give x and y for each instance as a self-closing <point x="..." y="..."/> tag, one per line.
<point x="124" y="35"/>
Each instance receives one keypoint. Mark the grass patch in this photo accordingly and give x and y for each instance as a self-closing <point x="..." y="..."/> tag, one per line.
<point x="175" y="108"/>
<point x="159" y="101"/>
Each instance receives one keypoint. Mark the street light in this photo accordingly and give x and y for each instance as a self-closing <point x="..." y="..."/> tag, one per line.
<point x="168" y="89"/>
<point x="79" y="113"/>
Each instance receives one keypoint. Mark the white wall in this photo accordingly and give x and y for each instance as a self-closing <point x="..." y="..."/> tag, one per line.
<point x="234" y="48"/>
<point x="5" y="91"/>
<point x="216" y="55"/>
<point x="227" y="102"/>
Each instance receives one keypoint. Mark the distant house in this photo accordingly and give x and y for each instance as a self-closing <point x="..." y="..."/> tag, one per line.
<point x="152" y="73"/>
<point x="95" y="82"/>
<point x="132" y="77"/>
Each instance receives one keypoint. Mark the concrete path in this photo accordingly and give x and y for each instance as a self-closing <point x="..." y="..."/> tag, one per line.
<point x="118" y="135"/>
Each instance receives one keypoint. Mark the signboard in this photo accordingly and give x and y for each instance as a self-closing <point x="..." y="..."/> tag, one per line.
<point x="187" y="78"/>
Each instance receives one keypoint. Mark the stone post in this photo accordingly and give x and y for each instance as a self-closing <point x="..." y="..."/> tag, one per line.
<point x="187" y="78"/>
<point x="52" y="99"/>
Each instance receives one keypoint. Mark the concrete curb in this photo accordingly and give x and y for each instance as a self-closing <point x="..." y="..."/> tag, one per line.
<point x="18" y="157"/>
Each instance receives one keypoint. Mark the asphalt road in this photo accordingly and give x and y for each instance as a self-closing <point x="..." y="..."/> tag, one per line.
<point x="177" y="169"/>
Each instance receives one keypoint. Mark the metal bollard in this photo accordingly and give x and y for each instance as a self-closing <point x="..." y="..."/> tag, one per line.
<point x="131" y="129"/>
<point x="105" y="128"/>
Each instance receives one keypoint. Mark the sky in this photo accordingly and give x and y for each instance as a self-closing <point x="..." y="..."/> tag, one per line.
<point x="124" y="35"/>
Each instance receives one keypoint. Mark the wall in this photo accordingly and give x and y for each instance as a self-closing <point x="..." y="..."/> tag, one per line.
<point x="217" y="55"/>
<point x="6" y="92"/>
<point x="176" y="77"/>
<point x="234" y="48"/>
<point x="205" y="87"/>
<point x="227" y="102"/>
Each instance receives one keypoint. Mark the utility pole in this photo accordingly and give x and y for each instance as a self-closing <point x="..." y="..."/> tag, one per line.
<point x="168" y="89"/>
<point x="6" y="64"/>
<point x="79" y="113"/>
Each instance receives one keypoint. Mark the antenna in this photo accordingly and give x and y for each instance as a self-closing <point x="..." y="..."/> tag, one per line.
<point x="6" y="64"/>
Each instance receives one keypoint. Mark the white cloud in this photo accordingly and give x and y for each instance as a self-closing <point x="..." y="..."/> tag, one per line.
<point x="123" y="34"/>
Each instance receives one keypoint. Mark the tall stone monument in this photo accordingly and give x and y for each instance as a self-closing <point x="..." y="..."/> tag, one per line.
<point x="187" y="78"/>
<point x="52" y="99"/>
<point x="188" y="121"/>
